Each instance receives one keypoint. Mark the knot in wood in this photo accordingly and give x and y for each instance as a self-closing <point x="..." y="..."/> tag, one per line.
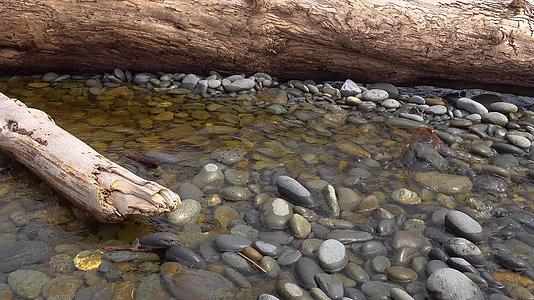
<point x="13" y="126"/>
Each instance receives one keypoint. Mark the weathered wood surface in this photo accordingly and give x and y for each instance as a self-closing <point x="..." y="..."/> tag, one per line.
<point x="83" y="176"/>
<point x="400" y="41"/>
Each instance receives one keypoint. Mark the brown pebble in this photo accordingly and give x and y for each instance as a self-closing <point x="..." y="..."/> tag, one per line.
<point x="252" y="253"/>
<point x="401" y="274"/>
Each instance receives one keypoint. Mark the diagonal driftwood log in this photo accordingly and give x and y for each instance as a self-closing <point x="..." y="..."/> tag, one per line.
<point x="83" y="176"/>
<point x="401" y="41"/>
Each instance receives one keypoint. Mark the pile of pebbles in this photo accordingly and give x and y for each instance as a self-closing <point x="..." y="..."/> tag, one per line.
<point x="335" y="239"/>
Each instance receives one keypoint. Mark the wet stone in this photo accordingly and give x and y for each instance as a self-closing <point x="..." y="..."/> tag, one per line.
<point x="16" y="254"/>
<point x="27" y="283"/>
<point x="300" y="227"/>
<point x="237" y="262"/>
<point x="445" y="183"/>
<point x="330" y="284"/>
<point x="288" y="257"/>
<point x="434" y="265"/>
<point x="236" y="278"/>
<point x="159" y="240"/>
<point x="289" y="290"/>
<point x="450" y="284"/>
<point x="376" y="290"/>
<point x="294" y="192"/>
<point x="187" y="212"/>
<point x="236" y="193"/>
<point x="185" y="256"/>
<point x="276" y="213"/>
<point x="357" y="273"/>
<point x="199" y="284"/>
<point x="370" y="249"/>
<point x="306" y="269"/>
<point x="231" y="242"/>
<point x="332" y="255"/>
<point x="463" y="225"/>
<point x="63" y="287"/>
<point x="463" y="248"/>
<point x="401" y="274"/>
<point x="270" y="266"/>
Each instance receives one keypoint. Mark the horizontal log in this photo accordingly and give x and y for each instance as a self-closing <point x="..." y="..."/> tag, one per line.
<point x="400" y="41"/>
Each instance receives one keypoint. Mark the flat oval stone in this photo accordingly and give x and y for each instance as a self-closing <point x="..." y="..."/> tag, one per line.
<point x="291" y="291"/>
<point x="509" y="261"/>
<point x="276" y="213"/>
<point x="295" y="192"/>
<point x="330" y="284"/>
<point x="185" y="256"/>
<point x="434" y="265"/>
<point x="288" y="257"/>
<point x="376" y="290"/>
<point x="445" y="183"/>
<point x="503" y="107"/>
<point x="451" y="284"/>
<point x="268" y="248"/>
<point x="401" y="274"/>
<point x="463" y="225"/>
<point x="159" y="240"/>
<point x="375" y="95"/>
<point x="357" y="273"/>
<point x="306" y="269"/>
<point x="471" y="106"/>
<point x="231" y="242"/>
<point x="332" y="255"/>
<point x="465" y="249"/>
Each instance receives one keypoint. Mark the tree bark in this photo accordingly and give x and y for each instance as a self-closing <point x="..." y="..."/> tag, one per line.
<point x="83" y="176"/>
<point x="399" y="41"/>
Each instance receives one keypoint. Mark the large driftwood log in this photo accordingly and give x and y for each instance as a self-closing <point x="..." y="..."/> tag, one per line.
<point x="401" y="41"/>
<point x="83" y="176"/>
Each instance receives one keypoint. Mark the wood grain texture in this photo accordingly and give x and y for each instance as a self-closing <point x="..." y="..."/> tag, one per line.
<point x="400" y="41"/>
<point x="83" y="176"/>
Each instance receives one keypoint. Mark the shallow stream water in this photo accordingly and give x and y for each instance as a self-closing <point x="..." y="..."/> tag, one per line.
<point x="316" y="143"/>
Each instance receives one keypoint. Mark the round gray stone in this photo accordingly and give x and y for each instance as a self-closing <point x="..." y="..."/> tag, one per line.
<point x="450" y="284"/>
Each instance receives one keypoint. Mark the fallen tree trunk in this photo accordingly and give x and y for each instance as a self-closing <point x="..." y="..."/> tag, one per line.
<point x="400" y="41"/>
<point x="83" y="176"/>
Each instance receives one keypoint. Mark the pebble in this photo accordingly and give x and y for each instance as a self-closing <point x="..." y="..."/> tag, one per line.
<point x="350" y="88"/>
<point x="240" y="85"/>
<point x="463" y="225"/>
<point x="390" y="103"/>
<point x="267" y="297"/>
<point x="62" y="287"/>
<point x="471" y="106"/>
<point x="357" y="273"/>
<point x="268" y="248"/>
<point x="288" y="257"/>
<point x="186" y="213"/>
<point x="289" y="290"/>
<point x="199" y="284"/>
<point x="231" y="242"/>
<point x="236" y="193"/>
<point x="375" y="95"/>
<point x="332" y="255"/>
<point x="437" y="110"/>
<point x="270" y="265"/>
<point x="434" y="265"/>
<point x="300" y="227"/>
<point x="27" y="283"/>
<point x="236" y="278"/>
<point x="189" y="81"/>
<point x="519" y="141"/>
<point x="16" y="254"/>
<point x="185" y="256"/>
<point x="330" y="284"/>
<point x="463" y="248"/>
<point x="392" y="90"/>
<point x="294" y="192"/>
<point x="401" y="274"/>
<point x="405" y="196"/>
<point x="416" y="99"/>
<point x="276" y="213"/>
<point x="445" y="183"/>
<point x="237" y="262"/>
<point x="306" y="269"/>
<point x="399" y="294"/>
<point x="503" y="107"/>
<point x="376" y="290"/>
<point x="330" y="197"/>
<point x="451" y="284"/>
<point x="495" y="118"/>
